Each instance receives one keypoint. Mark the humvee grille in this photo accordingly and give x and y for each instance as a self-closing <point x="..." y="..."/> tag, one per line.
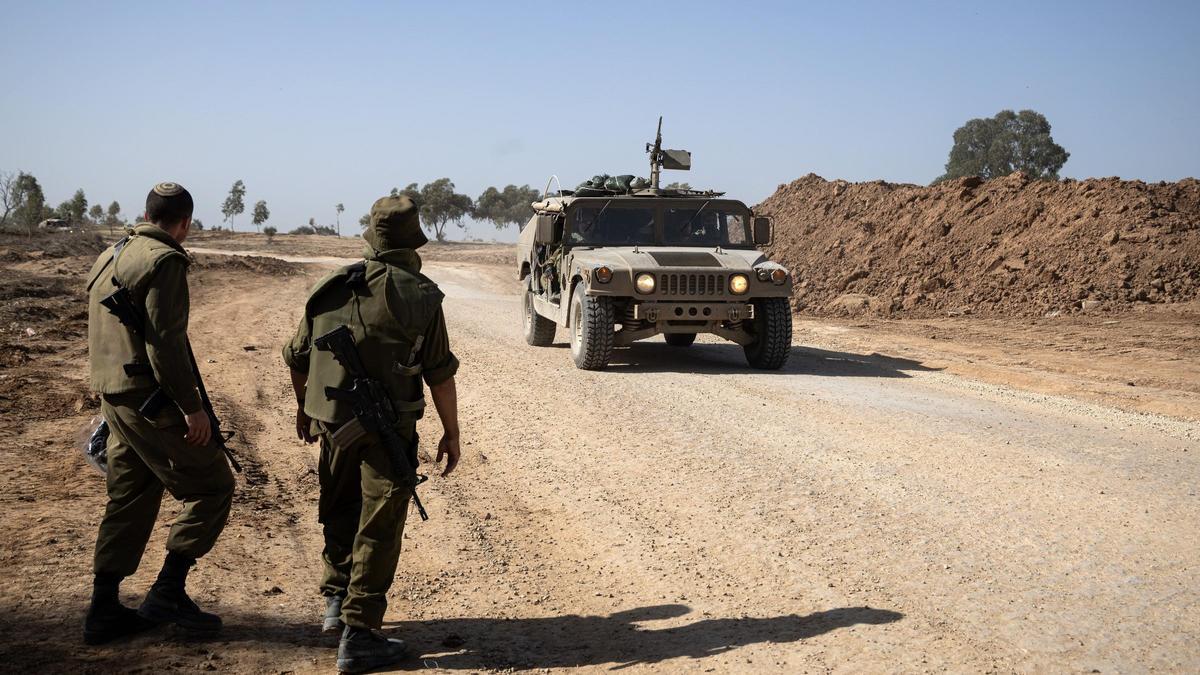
<point x="708" y="285"/>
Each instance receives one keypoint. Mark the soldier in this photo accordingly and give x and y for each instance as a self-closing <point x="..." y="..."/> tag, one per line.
<point x="396" y="318"/>
<point x="171" y="449"/>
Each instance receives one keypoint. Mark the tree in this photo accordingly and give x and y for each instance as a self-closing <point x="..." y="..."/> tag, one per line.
<point x="677" y="186"/>
<point x="339" y="208"/>
<point x="1000" y="145"/>
<point x="260" y="215"/>
<point x="75" y="208"/>
<point x="270" y="231"/>
<point x="365" y="221"/>
<point x="28" y="203"/>
<point x="197" y="225"/>
<point x="234" y="204"/>
<point x="441" y="205"/>
<point x="8" y="196"/>
<point x="96" y="213"/>
<point x="510" y="206"/>
<point x="113" y="216"/>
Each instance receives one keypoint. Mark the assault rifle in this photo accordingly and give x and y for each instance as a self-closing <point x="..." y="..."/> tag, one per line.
<point x="372" y="406"/>
<point x="121" y="304"/>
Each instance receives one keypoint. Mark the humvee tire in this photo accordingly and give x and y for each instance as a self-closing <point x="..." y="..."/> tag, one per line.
<point x="772" y="328"/>
<point x="539" y="331"/>
<point x="592" y="329"/>
<point x="680" y="339"/>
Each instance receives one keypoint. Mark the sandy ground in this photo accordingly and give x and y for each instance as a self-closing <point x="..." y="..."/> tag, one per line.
<point x="887" y="502"/>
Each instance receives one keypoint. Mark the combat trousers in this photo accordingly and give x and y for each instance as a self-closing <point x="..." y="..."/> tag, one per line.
<point x="362" y="509"/>
<point x="144" y="457"/>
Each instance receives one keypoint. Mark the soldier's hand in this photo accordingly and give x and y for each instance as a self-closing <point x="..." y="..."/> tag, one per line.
<point x="448" y="448"/>
<point x="199" y="431"/>
<point x="303" y="425"/>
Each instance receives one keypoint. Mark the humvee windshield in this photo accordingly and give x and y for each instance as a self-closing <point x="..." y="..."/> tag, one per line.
<point x="613" y="226"/>
<point x="683" y="225"/>
<point x="707" y="227"/>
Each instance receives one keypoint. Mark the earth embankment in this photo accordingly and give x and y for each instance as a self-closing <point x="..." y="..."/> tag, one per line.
<point x="1005" y="247"/>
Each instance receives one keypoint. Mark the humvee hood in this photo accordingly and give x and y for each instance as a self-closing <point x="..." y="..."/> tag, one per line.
<point x="659" y="257"/>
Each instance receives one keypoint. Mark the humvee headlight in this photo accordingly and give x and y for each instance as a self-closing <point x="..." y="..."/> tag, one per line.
<point x="779" y="275"/>
<point x="645" y="283"/>
<point x="603" y="274"/>
<point x="738" y="284"/>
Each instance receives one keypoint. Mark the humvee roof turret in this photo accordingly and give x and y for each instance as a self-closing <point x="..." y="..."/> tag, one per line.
<point x="620" y="259"/>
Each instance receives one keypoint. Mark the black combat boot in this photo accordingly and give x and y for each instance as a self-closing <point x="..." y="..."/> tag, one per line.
<point x="107" y="619"/>
<point x="363" y="649"/>
<point x="168" y="601"/>
<point x="333" y="614"/>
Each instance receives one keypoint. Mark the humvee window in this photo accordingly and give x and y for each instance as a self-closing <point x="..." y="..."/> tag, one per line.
<point x="616" y="226"/>
<point x="706" y="227"/>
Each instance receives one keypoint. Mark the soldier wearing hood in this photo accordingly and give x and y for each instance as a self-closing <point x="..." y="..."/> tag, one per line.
<point x="395" y="315"/>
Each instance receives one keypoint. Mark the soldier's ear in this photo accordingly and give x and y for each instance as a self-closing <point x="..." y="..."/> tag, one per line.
<point x="180" y="231"/>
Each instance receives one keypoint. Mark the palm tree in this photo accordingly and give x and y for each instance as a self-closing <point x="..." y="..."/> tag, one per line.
<point x="339" y="209"/>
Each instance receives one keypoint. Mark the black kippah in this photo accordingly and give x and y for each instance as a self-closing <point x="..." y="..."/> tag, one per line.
<point x="168" y="189"/>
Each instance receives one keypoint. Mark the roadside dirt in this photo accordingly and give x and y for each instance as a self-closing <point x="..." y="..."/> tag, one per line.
<point x="919" y="496"/>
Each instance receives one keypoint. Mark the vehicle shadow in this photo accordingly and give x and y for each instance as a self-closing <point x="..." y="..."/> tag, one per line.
<point x="729" y="359"/>
<point x="572" y="641"/>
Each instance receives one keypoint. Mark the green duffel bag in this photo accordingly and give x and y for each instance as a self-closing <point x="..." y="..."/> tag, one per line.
<point x="618" y="183"/>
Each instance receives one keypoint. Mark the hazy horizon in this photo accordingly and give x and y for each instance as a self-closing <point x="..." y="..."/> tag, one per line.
<point x="312" y="105"/>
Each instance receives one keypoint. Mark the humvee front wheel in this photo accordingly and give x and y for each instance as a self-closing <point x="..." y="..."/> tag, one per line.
<point x="539" y="331"/>
<point x="772" y="329"/>
<point x="591" y="330"/>
<point x="680" y="339"/>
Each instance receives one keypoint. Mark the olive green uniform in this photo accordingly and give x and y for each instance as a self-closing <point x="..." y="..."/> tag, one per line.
<point x="146" y="455"/>
<point x="395" y="315"/>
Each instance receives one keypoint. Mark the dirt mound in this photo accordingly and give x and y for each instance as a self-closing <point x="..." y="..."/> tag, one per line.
<point x="42" y="245"/>
<point x="249" y="263"/>
<point x="1006" y="247"/>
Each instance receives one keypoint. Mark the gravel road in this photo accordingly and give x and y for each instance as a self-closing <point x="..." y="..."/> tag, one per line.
<point x="679" y="511"/>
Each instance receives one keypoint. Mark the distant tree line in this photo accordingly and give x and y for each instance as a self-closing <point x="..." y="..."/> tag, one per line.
<point x="23" y="206"/>
<point x="440" y="205"/>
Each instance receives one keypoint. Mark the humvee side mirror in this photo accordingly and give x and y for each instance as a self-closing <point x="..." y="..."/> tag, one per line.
<point x="544" y="234"/>
<point x="762" y="230"/>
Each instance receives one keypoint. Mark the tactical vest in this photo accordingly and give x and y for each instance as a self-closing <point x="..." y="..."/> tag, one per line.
<point x="388" y="309"/>
<point x="117" y="354"/>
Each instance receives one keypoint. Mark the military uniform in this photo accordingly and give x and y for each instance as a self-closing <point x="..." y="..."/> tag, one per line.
<point x="395" y="315"/>
<point x="146" y="455"/>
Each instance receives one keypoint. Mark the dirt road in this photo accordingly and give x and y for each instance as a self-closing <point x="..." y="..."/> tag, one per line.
<point x="675" y="512"/>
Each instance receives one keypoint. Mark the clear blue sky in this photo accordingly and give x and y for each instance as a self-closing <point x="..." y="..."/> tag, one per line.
<point x="317" y="103"/>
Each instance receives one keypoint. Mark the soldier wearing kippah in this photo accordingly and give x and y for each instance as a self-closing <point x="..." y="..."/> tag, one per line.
<point x="395" y="315"/>
<point x="170" y="450"/>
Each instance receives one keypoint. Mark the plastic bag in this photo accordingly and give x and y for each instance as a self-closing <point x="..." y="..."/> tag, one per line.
<point x="93" y="443"/>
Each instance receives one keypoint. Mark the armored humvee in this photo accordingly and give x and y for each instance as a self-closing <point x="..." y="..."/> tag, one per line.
<point x="621" y="259"/>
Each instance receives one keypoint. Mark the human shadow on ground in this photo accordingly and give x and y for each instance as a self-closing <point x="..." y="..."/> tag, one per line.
<point x="617" y="639"/>
<point x="479" y="643"/>
<point x="729" y="359"/>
